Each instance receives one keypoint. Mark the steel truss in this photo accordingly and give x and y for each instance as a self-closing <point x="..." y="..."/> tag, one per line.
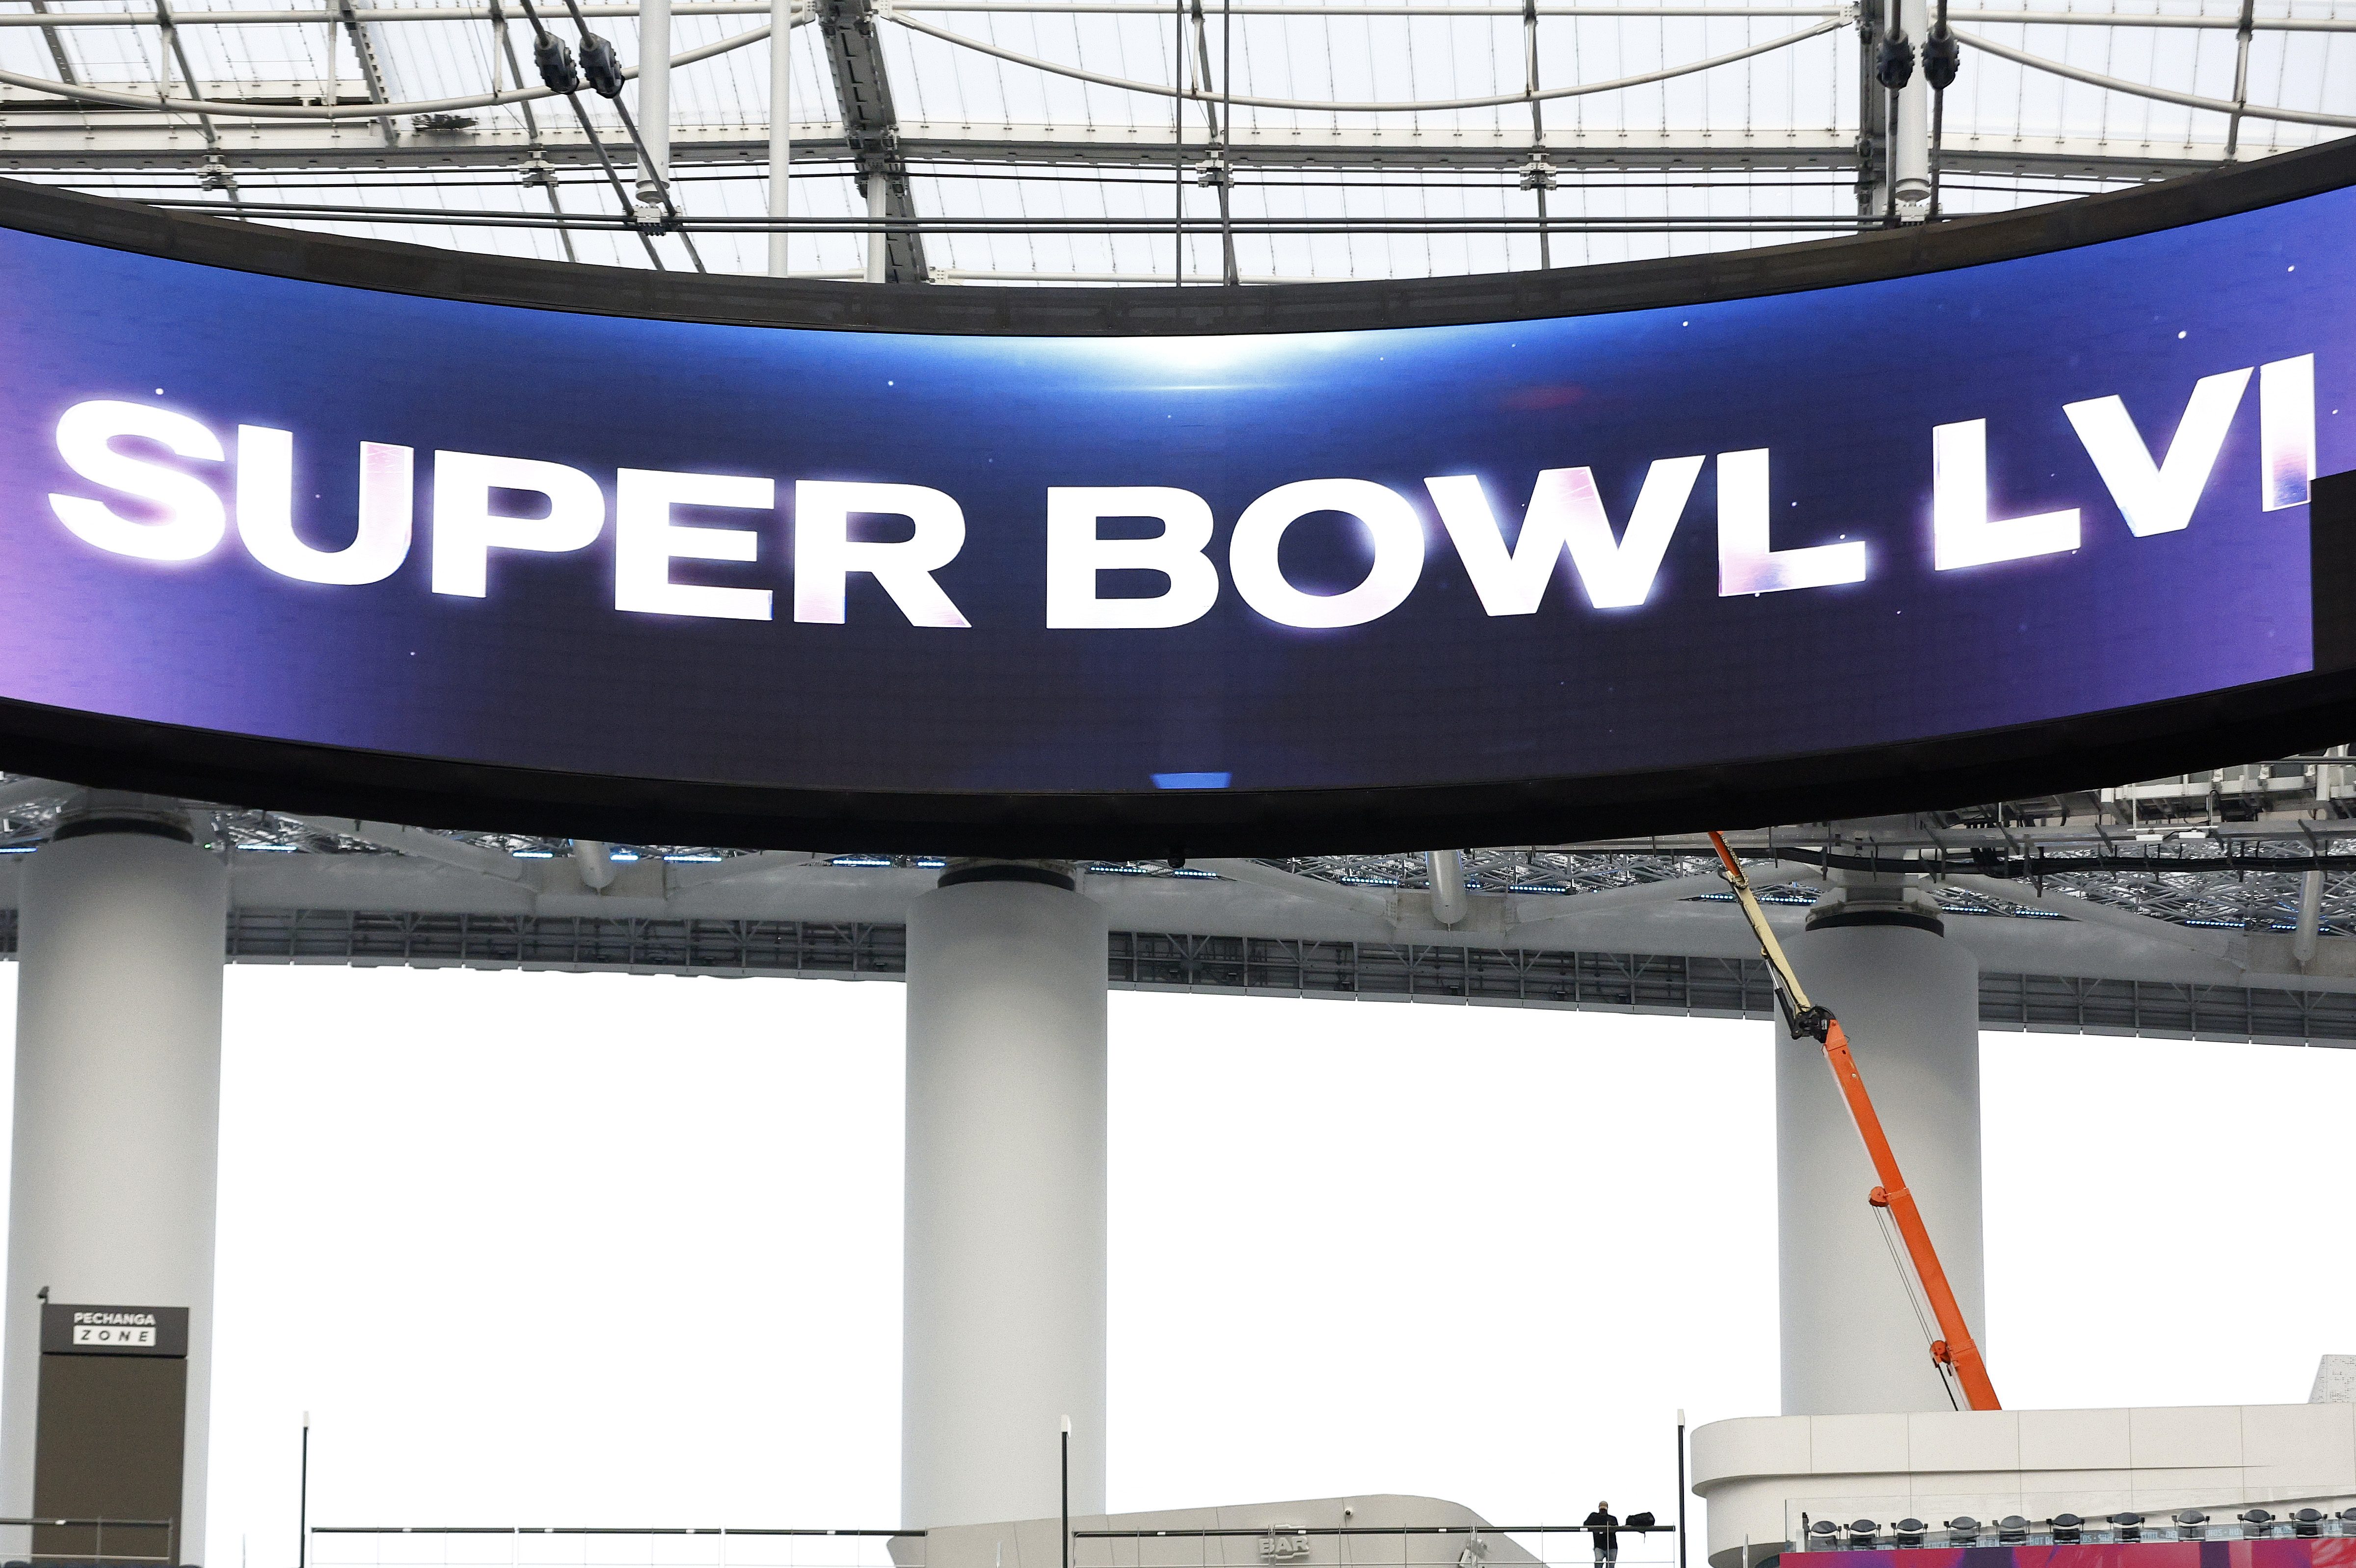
<point x="57" y="136"/>
<point x="2218" y="905"/>
<point x="1160" y="961"/>
<point x="2227" y="850"/>
<point x="76" y="126"/>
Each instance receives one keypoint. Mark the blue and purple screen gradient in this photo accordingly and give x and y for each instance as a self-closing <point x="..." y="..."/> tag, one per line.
<point x="1844" y="389"/>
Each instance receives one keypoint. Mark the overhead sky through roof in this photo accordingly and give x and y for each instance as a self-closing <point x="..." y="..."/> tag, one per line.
<point x="1024" y="161"/>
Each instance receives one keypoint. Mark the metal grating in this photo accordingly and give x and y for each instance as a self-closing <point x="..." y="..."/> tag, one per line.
<point x="1161" y="961"/>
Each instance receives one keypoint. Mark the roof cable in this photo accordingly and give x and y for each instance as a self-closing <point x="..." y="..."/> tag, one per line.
<point x="537" y="169"/>
<point x="559" y="73"/>
<point x="1893" y="68"/>
<point x="1943" y="57"/>
<point x="604" y="69"/>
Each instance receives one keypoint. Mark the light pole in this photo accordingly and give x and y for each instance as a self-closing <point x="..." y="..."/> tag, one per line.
<point x="302" y="1501"/>
<point x="1681" y="1489"/>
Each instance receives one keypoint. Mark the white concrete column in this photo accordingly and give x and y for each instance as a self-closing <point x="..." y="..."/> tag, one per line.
<point x="118" y="1107"/>
<point x="1003" y="1315"/>
<point x="1909" y="1000"/>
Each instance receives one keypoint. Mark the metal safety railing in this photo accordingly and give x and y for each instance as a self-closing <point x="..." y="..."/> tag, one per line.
<point x="603" y="1546"/>
<point x="1362" y="1546"/>
<point x="1263" y="1546"/>
<point x="98" y="1528"/>
<point x="1953" y="1526"/>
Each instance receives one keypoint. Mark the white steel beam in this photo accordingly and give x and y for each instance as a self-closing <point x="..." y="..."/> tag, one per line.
<point x="54" y="133"/>
<point x="234" y="16"/>
<point x="16" y="794"/>
<point x="1363" y="902"/>
<point x="2141" y="927"/>
<point x="422" y="843"/>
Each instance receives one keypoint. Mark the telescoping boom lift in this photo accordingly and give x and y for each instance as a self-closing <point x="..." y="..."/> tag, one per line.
<point x="1957" y="1352"/>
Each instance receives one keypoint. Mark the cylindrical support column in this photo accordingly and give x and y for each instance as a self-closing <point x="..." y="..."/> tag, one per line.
<point x="1003" y="1312"/>
<point x="1910" y="138"/>
<point x="1445" y="869"/>
<point x="118" y="1108"/>
<point x="781" y="131"/>
<point x="879" y="243"/>
<point x="654" y="98"/>
<point x="1909" y="1000"/>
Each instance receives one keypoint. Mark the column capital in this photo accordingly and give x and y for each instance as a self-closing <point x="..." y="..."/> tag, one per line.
<point x="88" y="812"/>
<point x="1046" y="873"/>
<point x="1877" y="898"/>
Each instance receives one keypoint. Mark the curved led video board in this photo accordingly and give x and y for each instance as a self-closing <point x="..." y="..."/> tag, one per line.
<point x="2024" y="503"/>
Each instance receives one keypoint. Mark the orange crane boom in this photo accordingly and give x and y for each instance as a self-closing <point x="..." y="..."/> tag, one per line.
<point x="1957" y="1352"/>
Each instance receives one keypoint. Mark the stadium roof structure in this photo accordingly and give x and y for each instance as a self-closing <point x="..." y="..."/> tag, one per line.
<point x="1226" y="143"/>
<point x="2218" y="905"/>
<point x="1133" y="141"/>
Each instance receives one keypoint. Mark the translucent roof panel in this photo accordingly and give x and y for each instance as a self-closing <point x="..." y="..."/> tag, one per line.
<point x="1044" y="141"/>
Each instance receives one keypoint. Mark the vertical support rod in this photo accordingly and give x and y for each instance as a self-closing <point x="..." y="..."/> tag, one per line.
<point x="1218" y="167"/>
<point x="879" y="238"/>
<point x="1681" y="1489"/>
<point x="2240" y="81"/>
<point x="1228" y="272"/>
<point x="537" y="167"/>
<point x="1537" y="127"/>
<point x="1938" y="111"/>
<point x="1872" y="116"/>
<point x="654" y="99"/>
<point x="1910" y="131"/>
<point x="2310" y="917"/>
<point x="1178" y="146"/>
<point x="781" y="131"/>
<point x="1067" y="1491"/>
<point x="302" y="1501"/>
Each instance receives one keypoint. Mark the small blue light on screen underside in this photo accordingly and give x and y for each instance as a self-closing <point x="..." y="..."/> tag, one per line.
<point x="1192" y="781"/>
<point x="534" y="854"/>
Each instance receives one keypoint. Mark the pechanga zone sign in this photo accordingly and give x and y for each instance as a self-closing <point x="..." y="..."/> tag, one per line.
<point x="1990" y="513"/>
<point x="67" y="1330"/>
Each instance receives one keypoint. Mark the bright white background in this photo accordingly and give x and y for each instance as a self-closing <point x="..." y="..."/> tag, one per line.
<point x="601" y="1249"/>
